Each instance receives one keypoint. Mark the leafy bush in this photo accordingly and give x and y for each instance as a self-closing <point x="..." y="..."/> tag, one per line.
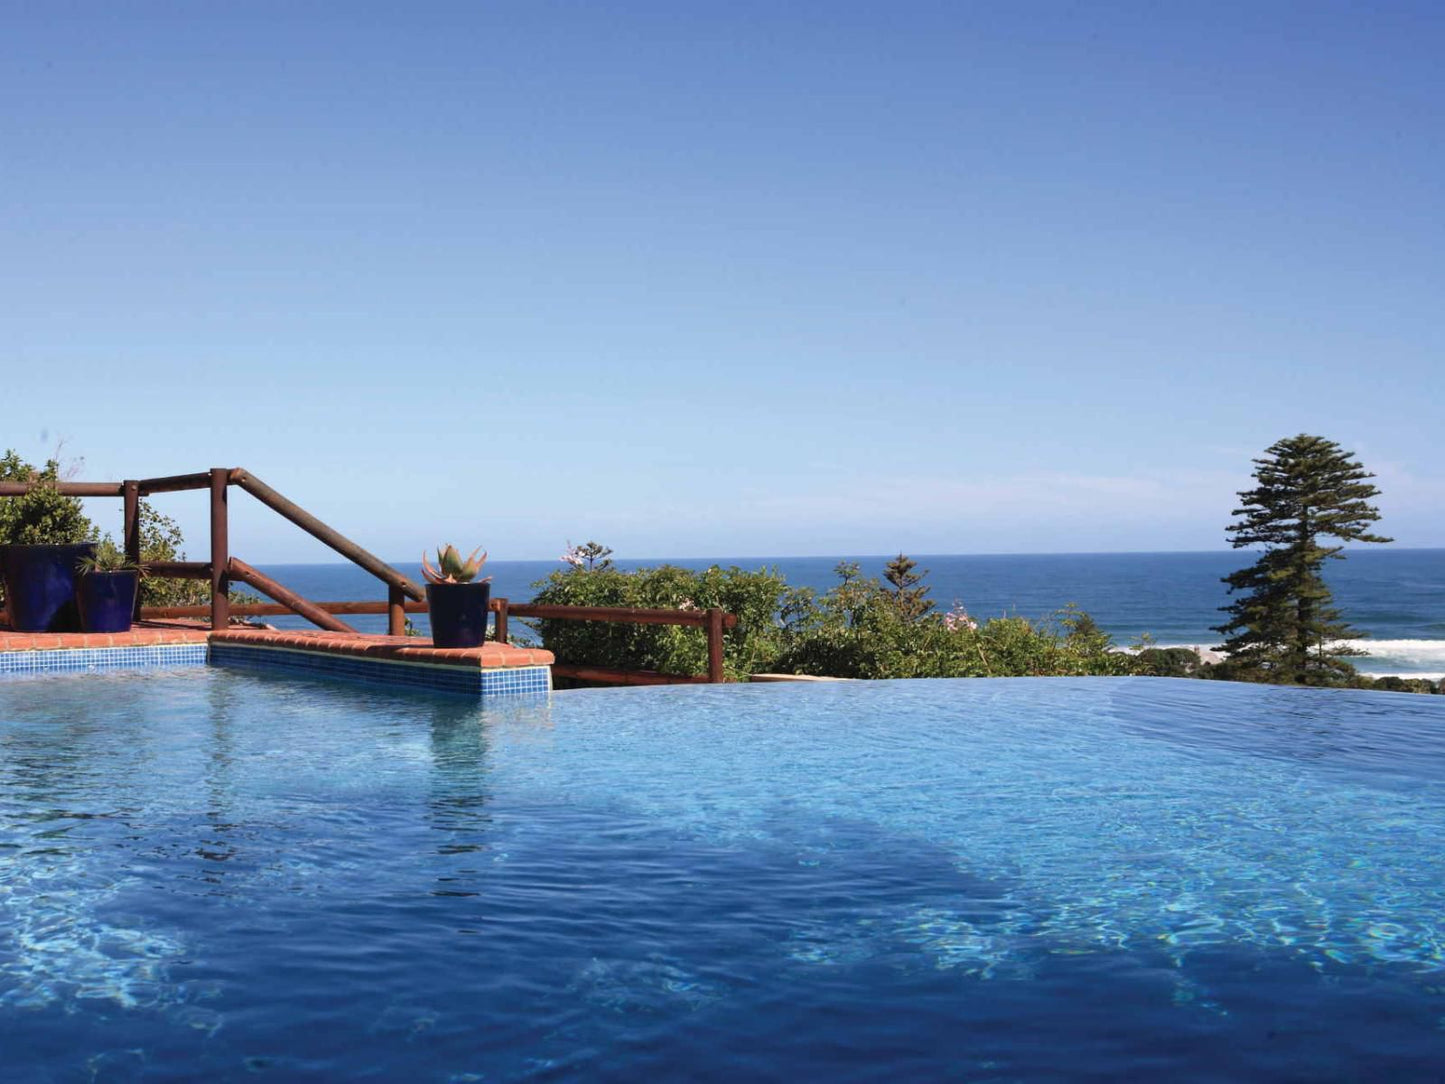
<point x="45" y="516"/>
<point x="1167" y="662"/>
<point x="42" y="515"/>
<point x="754" y="597"/>
<point x="161" y="540"/>
<point x="862" y="629"/>
<point x="1393" y="683"/>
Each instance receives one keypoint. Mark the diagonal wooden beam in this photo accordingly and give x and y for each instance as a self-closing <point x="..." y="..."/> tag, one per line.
<point x="303" y="607"/>
<point x="314" y="527"/>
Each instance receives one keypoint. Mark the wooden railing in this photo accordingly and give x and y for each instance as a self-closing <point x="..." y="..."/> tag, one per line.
<point x="712" y="622"/>
<point x="403" y="595"/>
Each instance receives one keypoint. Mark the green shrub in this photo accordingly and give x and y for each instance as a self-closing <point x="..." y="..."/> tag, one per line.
<point x="1166" y="662"/>
<point x="1393" y="683"/>
<point x="861" y="628"/>
<point x="754" y="597"/>
<point x="41" y="516"/>
<point x="44" y="516"/>
<point x="161" y="540"/>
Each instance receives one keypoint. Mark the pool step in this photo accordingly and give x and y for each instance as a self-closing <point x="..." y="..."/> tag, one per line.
<point x="490" y="670"/>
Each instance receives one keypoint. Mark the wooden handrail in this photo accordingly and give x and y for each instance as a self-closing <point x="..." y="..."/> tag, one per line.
<point x="303" y="607"/>
<point x="686" y="618"/>
<point x="276" y="609"/>
<point x="65" y="489"/>
<point x="174" y="483"/>
<point x="712" y="620"/>
<point x="625" y="615"/>
<point x="180" y="570"/>
<point x="403" y="596"/>
<point x="314" y="527"/>
<point x="628" y="677"/>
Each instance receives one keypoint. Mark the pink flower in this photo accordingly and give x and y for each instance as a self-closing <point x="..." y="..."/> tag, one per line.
<point x="957" y="618"/>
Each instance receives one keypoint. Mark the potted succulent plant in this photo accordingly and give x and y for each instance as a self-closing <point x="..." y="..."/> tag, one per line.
<point x="105" y="585"/>
<point x="40" y="585"/>
<point x="456" y="600"/>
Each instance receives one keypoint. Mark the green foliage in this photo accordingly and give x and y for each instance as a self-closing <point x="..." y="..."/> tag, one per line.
<point x="1283" y="627"/>
<point x="859" y="630"/>
<point x="161" y="540"/>
<point x="1393" y="683"/>
<point x="754" y="597"/>
<point x="108" y="557"/>
<point x="1388" y="683"/>
<point x="1166" y="662"/>
<point x="910" y="597"/>
<point x="42" y="515"/>
<point x="590" y="556"/>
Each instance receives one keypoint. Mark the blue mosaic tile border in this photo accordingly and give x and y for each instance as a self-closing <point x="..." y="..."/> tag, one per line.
<point x="85" y="660"/>
<point x="465" y="680"/>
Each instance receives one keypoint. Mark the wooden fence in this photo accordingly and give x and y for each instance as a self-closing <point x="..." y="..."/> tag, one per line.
<point x="403" y="596"/>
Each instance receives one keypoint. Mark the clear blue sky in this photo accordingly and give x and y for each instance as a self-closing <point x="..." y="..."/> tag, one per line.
<point x="726" y="279"/>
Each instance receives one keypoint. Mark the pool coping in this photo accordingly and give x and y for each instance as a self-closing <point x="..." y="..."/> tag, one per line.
<point x="489" y="670"/>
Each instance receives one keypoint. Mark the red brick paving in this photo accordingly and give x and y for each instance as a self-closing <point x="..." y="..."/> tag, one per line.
<point x="144" y="635"/>
<point x="489" y="656"/>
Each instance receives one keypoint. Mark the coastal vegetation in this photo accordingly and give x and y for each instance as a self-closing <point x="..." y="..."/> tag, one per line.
<point x="862" y="627"/>
<point x="43" y="515"/>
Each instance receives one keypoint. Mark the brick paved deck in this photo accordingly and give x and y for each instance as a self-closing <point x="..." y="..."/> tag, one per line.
<point x="490" y="656"/>
<point x="148" y="634"/>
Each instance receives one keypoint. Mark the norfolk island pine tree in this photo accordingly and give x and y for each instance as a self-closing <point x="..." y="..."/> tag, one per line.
<point x="1284" y="627"/>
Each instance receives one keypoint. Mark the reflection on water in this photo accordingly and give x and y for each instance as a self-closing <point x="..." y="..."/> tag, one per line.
<point x="248" y="874"/>
<point x="457" y="794"/>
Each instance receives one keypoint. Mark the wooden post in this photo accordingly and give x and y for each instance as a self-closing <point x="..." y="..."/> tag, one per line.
<point x="715" y="645"/>
<point x="130" y="531"/>
<point x="395" y="610"/>
<point x="501" y="629"/>
<point x="220" y="550"/>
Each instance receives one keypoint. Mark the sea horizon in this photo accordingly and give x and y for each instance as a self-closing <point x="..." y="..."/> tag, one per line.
<point x="886" y="556"/>
<point x="1396" y="596"/>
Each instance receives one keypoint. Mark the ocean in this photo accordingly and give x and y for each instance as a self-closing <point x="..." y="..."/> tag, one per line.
<point x="1397" y="596"/>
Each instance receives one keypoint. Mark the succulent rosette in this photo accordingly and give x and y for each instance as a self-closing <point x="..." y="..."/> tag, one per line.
<point x="451" y="567"/>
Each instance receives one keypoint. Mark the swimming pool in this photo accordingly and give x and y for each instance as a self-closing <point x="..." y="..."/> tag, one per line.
<point x="215" y="875"/>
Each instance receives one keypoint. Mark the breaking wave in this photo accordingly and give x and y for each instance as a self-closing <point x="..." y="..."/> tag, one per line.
<point x="1406" y="658"/>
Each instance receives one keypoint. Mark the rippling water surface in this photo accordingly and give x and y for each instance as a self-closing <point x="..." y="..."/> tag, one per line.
<point x="216" y="876"/>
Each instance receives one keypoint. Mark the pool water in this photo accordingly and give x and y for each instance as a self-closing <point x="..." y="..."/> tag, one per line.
<point x="210" y="875"/>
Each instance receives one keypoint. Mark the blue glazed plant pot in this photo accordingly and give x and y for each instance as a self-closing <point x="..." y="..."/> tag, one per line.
<point x="106" y="600"/>
<point x="458" y="613"/>
<point x="40" y="585"/>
